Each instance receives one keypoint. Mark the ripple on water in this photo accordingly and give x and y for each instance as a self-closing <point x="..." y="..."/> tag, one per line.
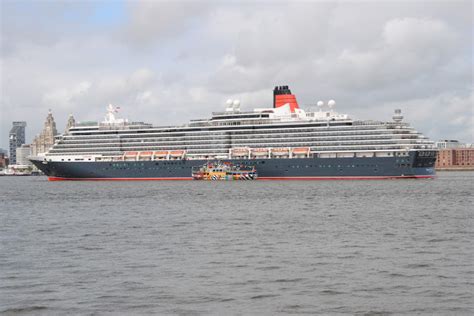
<point x="343" y="247"/>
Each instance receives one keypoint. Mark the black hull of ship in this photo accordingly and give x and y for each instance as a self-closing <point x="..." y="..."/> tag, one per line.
<point x="417" y="165"/>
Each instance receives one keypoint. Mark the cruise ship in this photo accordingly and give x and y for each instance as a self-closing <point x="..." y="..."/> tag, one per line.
<point x="283" y="142"/>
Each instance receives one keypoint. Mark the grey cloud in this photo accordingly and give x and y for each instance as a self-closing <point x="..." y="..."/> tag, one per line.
<point x="169" y="62"/>
<point x="152" y="21"/>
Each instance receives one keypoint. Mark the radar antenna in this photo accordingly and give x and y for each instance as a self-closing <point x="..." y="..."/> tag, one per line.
<point x="397" y="116"/>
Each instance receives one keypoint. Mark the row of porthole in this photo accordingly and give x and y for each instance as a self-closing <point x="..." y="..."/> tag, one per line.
<point x="329" y="166"/>
<point x="144" y="168"/>
<point x="135" y="164"/>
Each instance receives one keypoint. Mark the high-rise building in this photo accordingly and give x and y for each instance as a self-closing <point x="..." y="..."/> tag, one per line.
<point x="44" y="141"/>
<point x="22" y="154"/>
<point x="16" y="139"/>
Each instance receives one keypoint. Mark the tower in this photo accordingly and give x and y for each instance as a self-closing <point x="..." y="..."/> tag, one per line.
<point x="45" y="140"/>
<point x="70" y="122"/>
<point x="16" y="139"/>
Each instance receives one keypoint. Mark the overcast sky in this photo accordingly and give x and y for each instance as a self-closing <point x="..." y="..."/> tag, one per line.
<point x="168" y="62"/>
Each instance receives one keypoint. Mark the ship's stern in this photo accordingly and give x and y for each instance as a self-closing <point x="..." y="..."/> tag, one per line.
<point x="424" y="163"/>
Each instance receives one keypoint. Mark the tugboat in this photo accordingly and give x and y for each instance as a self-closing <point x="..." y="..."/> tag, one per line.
<point x="224" y="171"/>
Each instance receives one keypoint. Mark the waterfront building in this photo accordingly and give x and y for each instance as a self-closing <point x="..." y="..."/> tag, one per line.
<point x="448" y="143"/>
<point x="71" y="122"/>
<point x="16" y="139"/>
<point x="45" y="140"/>
<point x="22" y="154"/>
<point x="3" y="160"/>
<point x="455" y="158"/>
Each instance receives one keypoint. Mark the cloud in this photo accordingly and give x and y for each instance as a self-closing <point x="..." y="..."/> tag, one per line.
<point x="444" y="114"/>
<point x="66" y="98"/>
<point x="151" y="21"/>
<point x="168" y="62"/>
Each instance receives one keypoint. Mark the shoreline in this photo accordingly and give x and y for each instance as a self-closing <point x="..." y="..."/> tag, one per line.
<point x="455" y="169"/>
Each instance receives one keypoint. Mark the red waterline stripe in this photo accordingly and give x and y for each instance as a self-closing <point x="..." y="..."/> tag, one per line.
<point x="116" y="179"/>
<point x="348" y="178"/>
<point x="259" y="178"/>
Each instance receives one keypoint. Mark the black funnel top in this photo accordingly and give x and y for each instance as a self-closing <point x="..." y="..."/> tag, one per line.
<point x="279" y="90"/>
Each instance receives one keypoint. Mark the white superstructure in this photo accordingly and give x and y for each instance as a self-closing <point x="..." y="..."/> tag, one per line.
<point x="263" y="132"/>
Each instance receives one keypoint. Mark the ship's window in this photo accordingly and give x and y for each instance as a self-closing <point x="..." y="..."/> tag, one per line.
<point x="62" y="159"/>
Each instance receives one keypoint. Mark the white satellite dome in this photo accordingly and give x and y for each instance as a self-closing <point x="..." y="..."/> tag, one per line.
<point x="320" y="103"/>
<point x="331" y="103"/>
<point x="236" y="103"/>
<point x="229" y="102"/>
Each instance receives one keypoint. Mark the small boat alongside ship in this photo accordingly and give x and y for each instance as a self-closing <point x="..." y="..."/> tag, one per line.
<point x="224" y="171"/>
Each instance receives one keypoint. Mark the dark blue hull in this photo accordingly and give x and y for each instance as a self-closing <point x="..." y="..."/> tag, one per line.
<point x="414" y="166"/>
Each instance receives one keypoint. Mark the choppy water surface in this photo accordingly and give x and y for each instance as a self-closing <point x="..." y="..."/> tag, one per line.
<point x="317" y="247"/>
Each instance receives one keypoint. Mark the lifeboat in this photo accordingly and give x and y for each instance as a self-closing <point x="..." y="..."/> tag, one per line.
<point x="300" y="151"/>
<point x="161" y="154"/>
<point x="239" y="152"/>
<point x="259" y="151"/>
<point x="280" y="151"/>
<point x="177" y="153"/>
<point x="130" y="155"/>
<point x="145" y="155"/>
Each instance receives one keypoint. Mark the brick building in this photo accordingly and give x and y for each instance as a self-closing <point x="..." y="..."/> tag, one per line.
<point x="456" y="158"/>
<point x="3" y="160"/>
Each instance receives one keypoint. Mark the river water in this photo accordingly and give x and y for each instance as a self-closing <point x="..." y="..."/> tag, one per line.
<point x="262" y="247"/>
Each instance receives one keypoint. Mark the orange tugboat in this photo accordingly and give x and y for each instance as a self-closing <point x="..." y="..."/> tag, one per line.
<point x="224" y="171"/>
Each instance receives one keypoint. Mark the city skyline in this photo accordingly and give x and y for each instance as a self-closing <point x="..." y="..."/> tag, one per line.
<point x="166" y="63"/>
